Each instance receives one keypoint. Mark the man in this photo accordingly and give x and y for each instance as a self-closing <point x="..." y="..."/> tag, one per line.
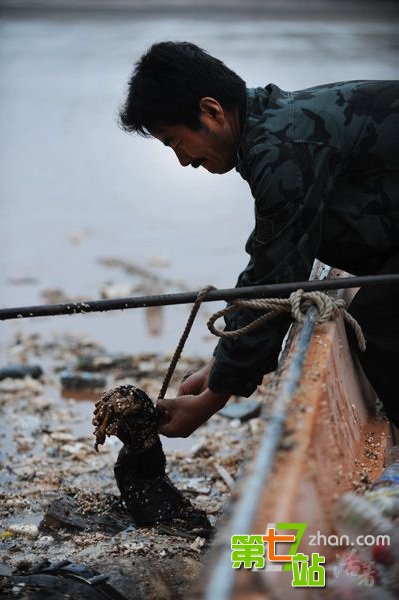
<point x="323" y="167"/>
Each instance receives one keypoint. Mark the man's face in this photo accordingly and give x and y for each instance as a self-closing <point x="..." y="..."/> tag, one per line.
<point x="213" y="146"/>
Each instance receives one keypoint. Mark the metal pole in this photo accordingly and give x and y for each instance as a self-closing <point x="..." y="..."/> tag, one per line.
<point x="221" y="582"/>
<point x="257" y="291"/>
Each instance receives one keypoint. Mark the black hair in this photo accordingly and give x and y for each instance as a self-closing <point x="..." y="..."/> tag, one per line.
<point x="168" y="83"/>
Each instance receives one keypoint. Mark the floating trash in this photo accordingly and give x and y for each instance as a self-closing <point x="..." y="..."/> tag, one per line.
<point x="245" y="410"/>
<point x="62" y="580"/>
<point x="21" y="371"/>
<point x="81" y="381"/>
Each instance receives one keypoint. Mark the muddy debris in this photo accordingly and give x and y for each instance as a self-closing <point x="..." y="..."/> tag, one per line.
<point x="62" y="580"/>
<point x="150" y="282"/>
<point x="147" y="492"/>
<point x="57" y="296"/>
<point x="110" y="291"/>
<point x="47" y="456"/>
<point x="89" y="511"/>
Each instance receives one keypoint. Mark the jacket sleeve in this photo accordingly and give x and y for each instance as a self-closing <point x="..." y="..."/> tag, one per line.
<point x="289" y="183"/>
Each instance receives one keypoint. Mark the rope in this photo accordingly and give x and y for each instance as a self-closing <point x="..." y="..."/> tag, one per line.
<point x="297" y="304"/>
<point x="201" y="295"/>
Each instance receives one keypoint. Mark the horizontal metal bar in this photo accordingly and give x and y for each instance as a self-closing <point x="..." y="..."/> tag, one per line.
<point x="258" y="291"/>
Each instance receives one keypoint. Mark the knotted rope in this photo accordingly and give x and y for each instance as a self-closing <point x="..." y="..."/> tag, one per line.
<point x="297" y="304"/>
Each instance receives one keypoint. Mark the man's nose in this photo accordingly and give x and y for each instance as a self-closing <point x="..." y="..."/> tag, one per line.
<point x="182" y="158"/>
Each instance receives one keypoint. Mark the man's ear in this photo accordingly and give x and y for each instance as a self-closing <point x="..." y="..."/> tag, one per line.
<point x="211" y="109"/>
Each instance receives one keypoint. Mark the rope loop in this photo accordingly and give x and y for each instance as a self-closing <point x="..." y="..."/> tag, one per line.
<point x="198" y="301"/>
<point x="297" y="304"/>
<point x="328" y="309"/>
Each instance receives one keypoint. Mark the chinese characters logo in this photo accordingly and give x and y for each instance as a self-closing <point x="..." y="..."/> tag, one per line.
<point x="252" y="551"/>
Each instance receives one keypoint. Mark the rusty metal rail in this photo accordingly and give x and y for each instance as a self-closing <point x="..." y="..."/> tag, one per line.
<point x="221" y="583"/>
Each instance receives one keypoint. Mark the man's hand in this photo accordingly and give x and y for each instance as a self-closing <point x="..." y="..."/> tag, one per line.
<point x="196" y="382"/>
<point x="183" y="415"/>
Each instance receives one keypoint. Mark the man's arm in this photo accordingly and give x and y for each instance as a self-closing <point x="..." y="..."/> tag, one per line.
<point x="183" y="415"/>
<point x="290" y="184"/>
<point x="290" y="191"/>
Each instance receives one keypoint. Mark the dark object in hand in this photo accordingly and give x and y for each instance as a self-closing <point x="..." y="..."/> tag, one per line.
<point x="149" y="495"/>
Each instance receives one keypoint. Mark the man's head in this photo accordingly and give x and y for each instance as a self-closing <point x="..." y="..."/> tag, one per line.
<point x="189" y="100"/>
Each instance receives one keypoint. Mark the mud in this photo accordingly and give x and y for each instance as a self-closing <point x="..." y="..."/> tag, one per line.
<point x="146" y="491"/>
<point x="59" y="498"/>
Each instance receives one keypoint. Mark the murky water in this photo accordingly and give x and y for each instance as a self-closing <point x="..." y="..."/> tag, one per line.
<point x="74" y="188"/>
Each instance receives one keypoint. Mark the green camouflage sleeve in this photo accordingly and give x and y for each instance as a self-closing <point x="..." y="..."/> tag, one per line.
<point x="289" y="182"/>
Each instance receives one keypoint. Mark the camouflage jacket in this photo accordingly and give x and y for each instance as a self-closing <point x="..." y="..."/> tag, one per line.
<point x="323" y="168"/>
